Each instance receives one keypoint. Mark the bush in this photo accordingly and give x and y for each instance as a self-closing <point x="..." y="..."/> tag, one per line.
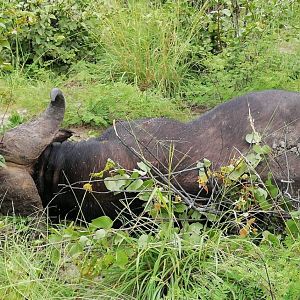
<point x="45" y="32"/>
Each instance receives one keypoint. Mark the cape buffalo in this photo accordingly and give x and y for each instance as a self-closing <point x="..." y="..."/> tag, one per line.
<point x="39" y="160"/>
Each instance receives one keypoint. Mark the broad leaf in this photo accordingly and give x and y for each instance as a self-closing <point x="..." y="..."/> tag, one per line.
<point x="121" y="258"/>
<point x="135" y="185"/>
<point x="265" y="149"/>
<point x="116" y="183"/>
<point x="143" y="167"/>
<point x="253" y="138"/>
<point x="100" y="234"/>
<point x="261" y="197"/>
<point x="143" y="241"/>
<point x="104" y="222"/>
<point x="293" y="228"/>
<point x="76" y="249"/>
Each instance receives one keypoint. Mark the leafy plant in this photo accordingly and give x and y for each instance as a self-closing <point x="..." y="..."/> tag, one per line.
<point x="44" y="33"/>
<point x="239" y="197"/>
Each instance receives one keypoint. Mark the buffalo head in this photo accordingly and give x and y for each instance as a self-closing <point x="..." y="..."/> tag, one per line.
<point x="21" y="147"/>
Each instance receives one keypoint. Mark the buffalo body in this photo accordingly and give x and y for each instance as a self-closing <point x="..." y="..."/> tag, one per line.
<point x="217" y="135"/>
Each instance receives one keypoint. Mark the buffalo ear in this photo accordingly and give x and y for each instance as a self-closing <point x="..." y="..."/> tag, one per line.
<point x="62" y="135"/>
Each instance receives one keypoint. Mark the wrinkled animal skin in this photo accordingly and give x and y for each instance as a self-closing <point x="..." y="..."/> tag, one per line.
<point x="21" y="148"/>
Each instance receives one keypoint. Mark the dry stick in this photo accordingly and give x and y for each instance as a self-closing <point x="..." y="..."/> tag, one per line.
<point x="288" y="182"/>
<point x="130" y="179"/>
<point x="268" y="277"/>
<point x="162" y="177"/>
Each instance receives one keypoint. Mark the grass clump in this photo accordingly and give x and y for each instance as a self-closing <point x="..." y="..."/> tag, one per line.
<point x="170" y="263"/>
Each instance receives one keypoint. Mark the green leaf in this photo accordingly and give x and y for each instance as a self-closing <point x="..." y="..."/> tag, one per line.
<point x="108" y="260"/>
<point x="4" y="43"/>
<point x="226" y="12"/>
<point x="76" y="249"/>
<point x="100" y="234"/>
<point x="116" y="182"/>
<point x="195" y="238"/>
<point x="84" y="240"/>
<point x="143" y="241"/>
<point x="272" y="189"/>
<point x="196" y="228"/>
<point x="180" y="207"/>
<point x="295" y="214"/>
<point x="144" y="196"/>
<point x="253" y="138"/>
<point x="261" y="197"/>
<point x="121" y="258"/>
<point x="265" y="149"/>
<point x="135" y="185"/>
<point x="55" y="256"/>
<point x="238" y="171"/>
<point x="6" y="66"/>
<point x="206" y="163"/>
<point x="147" y="184"/>
<point x="143" y="167"/>
<point x="271" y="238"/>
<point x="293" y="228"/>
<point x="55" y="238"/>
<point x="104" y="222"/>
<point x="253" y="159"/>
<point x="135" y="174"/>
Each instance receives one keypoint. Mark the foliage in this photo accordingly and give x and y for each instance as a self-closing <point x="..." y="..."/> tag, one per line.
<point x="169" y="262"/>
<point x="13" y="120"/>
<point x="45" y="32"/>
<point x="104" y="103"/>
<point x="172" y="45"/>
<point x="236" y="193"/>
<point x="177" y="255"/>
<point x="89" y="103"/>
<point x="132" y="59"/>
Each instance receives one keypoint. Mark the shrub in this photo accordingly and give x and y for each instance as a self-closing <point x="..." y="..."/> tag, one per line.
<point x="45" y="32"/>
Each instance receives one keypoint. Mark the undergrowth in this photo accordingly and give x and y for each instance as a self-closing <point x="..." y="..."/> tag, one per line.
<point x="175" y="250"/>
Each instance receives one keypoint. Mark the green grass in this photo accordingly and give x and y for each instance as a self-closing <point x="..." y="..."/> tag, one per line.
<point x="167" y="265"/>
<point x="88" y="102"/>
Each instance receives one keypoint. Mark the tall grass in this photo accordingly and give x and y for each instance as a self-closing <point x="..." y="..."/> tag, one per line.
<point x="145" y="43"/>
<point x="166" y="265"/>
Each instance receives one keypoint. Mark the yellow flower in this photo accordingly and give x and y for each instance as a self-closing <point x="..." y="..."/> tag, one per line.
<point x="88" y="187"/>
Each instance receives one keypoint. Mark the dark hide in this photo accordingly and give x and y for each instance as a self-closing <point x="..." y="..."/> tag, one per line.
<point x="217" y="135"/>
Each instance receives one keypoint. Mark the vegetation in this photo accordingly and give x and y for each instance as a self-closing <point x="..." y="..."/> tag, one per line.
<point x="131" y="59"/>
<point x="171" y="252"/>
